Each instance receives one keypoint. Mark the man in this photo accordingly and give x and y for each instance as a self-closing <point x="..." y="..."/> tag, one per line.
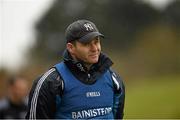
<point x="83" y="85"/>
<point x="15" y="105"/>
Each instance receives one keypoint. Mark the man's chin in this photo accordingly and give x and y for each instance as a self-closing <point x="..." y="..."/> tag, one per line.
<point x="94" y="61"/>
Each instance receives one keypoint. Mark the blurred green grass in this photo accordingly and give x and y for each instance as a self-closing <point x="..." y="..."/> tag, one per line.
<point x="153" y="98"/>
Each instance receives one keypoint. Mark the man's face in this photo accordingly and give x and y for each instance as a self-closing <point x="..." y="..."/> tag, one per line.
<point x="87" y="52"/>
<point x="19" y="89"/>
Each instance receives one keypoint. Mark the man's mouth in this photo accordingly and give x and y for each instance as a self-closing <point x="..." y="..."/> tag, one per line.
<point x="94" y="55"/>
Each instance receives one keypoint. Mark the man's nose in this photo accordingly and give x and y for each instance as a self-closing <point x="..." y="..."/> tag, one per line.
<point x="94" y="47"/>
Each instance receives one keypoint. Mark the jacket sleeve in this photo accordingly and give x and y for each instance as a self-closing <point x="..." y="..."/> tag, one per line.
<point x="119" y="96"/>
<point x="42" y="97"/>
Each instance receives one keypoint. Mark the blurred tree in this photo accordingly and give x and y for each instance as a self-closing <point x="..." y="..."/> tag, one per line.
<point x="172" y="17"/>
<point x="172" y="14"/>
<point x="126" y="18"/>
<point x="155" y="53"/>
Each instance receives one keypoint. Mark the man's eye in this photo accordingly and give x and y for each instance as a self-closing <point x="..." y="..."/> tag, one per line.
<point x="97" y="41"/>
<point x="97" y="38"/>
<point x="85" y="44"/>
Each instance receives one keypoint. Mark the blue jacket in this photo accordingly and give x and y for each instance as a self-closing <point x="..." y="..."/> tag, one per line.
<point x="68" y="90"/>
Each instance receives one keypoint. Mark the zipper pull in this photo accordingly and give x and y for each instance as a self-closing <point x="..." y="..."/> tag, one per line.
<point x="89" y="75"/>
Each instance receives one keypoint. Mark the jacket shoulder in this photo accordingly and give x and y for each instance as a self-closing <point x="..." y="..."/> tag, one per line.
<point x="43" y="93"/>
<point x="117" y="80"/>
<point x="51" y="80"/>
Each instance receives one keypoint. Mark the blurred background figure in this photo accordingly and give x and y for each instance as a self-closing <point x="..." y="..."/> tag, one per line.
<point x="14" y="105"/>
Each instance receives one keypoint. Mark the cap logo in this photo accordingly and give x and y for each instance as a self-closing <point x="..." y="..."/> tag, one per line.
<point x="88" y="26"/>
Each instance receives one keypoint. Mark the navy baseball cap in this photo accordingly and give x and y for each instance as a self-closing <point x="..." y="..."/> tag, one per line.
<point x="82" y="30"/>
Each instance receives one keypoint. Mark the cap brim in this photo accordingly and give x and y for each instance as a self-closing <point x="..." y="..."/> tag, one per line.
<point x="87" y="38"/>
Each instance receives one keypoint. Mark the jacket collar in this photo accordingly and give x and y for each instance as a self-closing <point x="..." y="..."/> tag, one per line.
<point x="102" y="65"/>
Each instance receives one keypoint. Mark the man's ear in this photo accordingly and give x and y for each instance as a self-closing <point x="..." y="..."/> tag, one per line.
<point x="70" y="47"/>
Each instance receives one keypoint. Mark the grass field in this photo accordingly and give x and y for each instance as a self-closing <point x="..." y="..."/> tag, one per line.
<point x="156" y="98"/>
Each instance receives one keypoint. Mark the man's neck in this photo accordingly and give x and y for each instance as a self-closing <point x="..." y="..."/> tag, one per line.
<point x="87" y="65"/>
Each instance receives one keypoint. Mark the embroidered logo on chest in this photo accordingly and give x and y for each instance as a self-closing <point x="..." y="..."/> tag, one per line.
<point x="93" y="94"/>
